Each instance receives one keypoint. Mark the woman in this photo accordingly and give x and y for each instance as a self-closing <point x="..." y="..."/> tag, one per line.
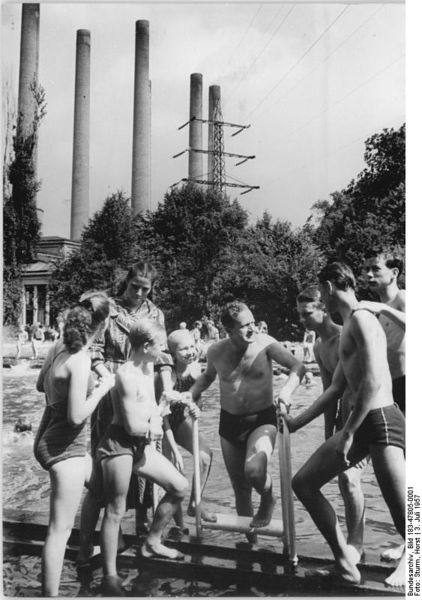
<point x="61" y="442"/>
<point x="110" y="351"/>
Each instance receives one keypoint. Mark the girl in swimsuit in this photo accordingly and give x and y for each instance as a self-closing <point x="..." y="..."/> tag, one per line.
<point x="61" y="442"/>
<point x="177" y="427"/>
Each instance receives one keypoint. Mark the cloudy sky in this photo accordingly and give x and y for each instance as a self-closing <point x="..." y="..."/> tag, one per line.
<point x="314" y="80"/>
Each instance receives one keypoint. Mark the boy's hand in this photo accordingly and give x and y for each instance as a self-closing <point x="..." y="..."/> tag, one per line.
<point x="193" y="409"/>
<point x="104" y="384"/>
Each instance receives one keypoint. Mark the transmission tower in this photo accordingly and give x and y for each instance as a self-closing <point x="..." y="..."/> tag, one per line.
<point x="217" y="179"/>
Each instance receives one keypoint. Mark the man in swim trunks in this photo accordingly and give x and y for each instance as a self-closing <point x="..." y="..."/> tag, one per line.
<point x="248" y="423"/>
<point x="315" y="317"/>
<point x="375" y="425"/>
<point x="382" y="268"/>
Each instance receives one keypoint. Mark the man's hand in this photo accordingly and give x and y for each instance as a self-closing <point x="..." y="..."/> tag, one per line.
<point x="193" y="409"/>
<point x="284" y="417"/>
<point x="177" y="459"/>
<point x="344" y="444"/>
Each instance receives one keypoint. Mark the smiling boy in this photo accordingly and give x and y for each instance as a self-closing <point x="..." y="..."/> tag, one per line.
<point x="248" y="423"/>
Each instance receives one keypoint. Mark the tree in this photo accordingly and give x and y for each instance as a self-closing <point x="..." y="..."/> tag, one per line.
<point x="108" y="246"/>
<point x="371" y="210"/>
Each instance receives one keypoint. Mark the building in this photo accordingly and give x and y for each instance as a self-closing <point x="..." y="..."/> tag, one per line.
<point x="36" y="279"/>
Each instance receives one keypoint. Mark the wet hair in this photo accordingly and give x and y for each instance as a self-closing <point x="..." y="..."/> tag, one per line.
<point x="338" y="273"/>
<point x="230" y="312"/>
<point x="138" y="269"/>
<point x="392" y="257"/>
<point x="174" y="337"/>
<point x="311" y="295"/>
<point x="84" y="319"/>
<point x="144" y="331"/>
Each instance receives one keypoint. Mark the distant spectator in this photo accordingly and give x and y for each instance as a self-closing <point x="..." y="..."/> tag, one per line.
<point x="213" y="334"/>
<point x="50" y="333"/>
<point x="22" y="338"/>
<point x="37" y="339"/>
<point x="308" y="342"/>
<point x="182" y="325"/>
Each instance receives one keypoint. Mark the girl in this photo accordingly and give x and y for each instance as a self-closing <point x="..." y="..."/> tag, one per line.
<point x="61" y="442"/>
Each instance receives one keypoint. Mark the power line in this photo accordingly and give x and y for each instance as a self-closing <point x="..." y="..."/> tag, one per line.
<point x="248" y="27"/>
<point x="299" y="60"/>
<point x="346" y="96"/>
<point x="280" y="99"/>
<point x="263" y="50"/>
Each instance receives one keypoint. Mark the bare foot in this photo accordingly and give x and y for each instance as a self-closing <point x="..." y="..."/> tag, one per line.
<point x="336" y="573"/>
<point x="355" y="555"/>
<point x="397" y="579"/>
<point x="158" y="550"/>
<point x="112" y="586"/>
<point x="392" y="553"/>
<point x="206" y="515"/>
<point x="265" y="510"/>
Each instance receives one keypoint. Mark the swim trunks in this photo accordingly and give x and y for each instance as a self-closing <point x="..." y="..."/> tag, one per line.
<point x="117" y="442"/>
<point x="399" y="392"/>
<point x="385" y="426"/>
<point x="56" y="440"/>
<point x="236" y="429"/>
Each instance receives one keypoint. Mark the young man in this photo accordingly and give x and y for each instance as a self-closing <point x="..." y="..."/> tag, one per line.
<point x="382" y="269"/>
<point x="248" y="424"/>
<point x="375" y="425"/>
<point x="315" y="318"/>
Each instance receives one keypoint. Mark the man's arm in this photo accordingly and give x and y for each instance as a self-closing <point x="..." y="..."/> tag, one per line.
<point x="205" y="379"/>
<point x="283" y="357"/>
<point x="330" y="395"/>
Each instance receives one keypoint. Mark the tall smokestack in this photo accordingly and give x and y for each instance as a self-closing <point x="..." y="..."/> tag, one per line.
<point x="28" y="68"/>
<point x="80" y="169"/>
<point x="195" y="127"/>
<point x="141" y="155"/>
<point x="214" y="96"/>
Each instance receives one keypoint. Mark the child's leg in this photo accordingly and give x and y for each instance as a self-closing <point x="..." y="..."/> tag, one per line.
<point x="67" y="480"/>
<point x="183" y="436"/>
<point x="116" y="476"/>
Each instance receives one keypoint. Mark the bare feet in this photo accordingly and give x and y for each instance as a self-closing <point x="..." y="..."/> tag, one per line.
<point x="265" y="510"/>
<point x="206" y="515"/>
<point x="397" y="579"/>
<point x="336" y="573"/>
<point x="392" y="553"/>
<point x="355" y="555"/>
<point x="158" y="550"/>
<point x="112" y="586"/>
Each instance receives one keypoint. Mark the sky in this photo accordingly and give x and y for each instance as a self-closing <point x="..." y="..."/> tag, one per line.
<point x="313" y="80"/>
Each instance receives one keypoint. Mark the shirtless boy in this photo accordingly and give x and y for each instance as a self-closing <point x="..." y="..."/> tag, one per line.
<point x="248" y="424"/>
<point x="375" y="425"/>
<point x="126" y="447"/>
<point x="314" y="317"/>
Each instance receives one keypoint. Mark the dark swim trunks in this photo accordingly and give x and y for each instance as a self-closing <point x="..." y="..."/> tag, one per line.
<point x="385" y="426"/>
<point x="399" y="392"/>
<point x="117" y="442"/>
<point x="237" y="428"/>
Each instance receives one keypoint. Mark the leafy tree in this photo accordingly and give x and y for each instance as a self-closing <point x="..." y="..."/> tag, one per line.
<point x="108" y="244"/>
<point x="371" y="210"/>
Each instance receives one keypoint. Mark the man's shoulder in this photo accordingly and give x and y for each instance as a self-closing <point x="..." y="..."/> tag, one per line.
<point x="399" y="301"/>
<point x="216" y="348"/>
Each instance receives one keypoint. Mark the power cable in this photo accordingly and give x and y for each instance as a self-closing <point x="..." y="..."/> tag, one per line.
<point x="299" y="60"/>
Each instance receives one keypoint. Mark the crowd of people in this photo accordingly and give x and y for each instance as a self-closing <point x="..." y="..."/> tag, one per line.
<point x="114" y="376"/>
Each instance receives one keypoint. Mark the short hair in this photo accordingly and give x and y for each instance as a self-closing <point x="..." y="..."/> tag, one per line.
<point x="310" y="294"/>
<point x="198" y="324"/>
<point x="138" y="269"/>
<point x="83" y="320"/>
<point x="338" y="273"/>
<point x="143" y="331"/>
<point x="174" y="338"/>
<point x="230" y="312"/>
<point x="392" y="256"/>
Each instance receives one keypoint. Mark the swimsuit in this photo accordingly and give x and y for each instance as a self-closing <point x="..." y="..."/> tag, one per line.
<point x="56" y="439"/>
<point x="178" y="409"/>
<point x="384" y="426"/>
<point x="236" y="429"/>
<point x="117" y="442"/>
